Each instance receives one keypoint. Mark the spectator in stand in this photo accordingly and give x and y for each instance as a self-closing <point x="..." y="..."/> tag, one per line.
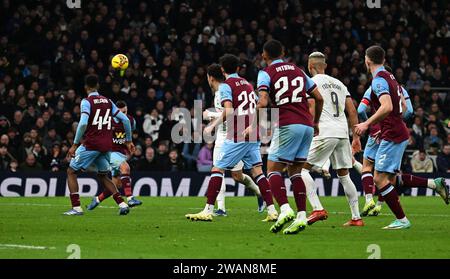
<point x="421" y="162"/>
<point x="4" y="124"/>
<point x="414" y="82"/>
<point x="30" y="164"/>
<point x="175" y="163"/>
<point x="162" y="155"/>
<point x="433" y="140"/>
<point x="152" y="124"/>
<point x="190" y="152"/>
<point x="443" y="159"/>
<point x="14" y="166"/>
<point x="5" y="158"/>
<point x="148" y="163"/>
<point x="205" y="158"/>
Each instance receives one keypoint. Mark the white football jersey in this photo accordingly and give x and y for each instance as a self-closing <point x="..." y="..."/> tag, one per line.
<point x="333" y="122"/>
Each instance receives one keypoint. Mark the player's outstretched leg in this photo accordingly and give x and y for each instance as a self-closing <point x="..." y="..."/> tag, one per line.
<point x="437" y="184"/>
<point x="266" y="193"/>
<point x="318" y="213"/>
<point x="299" y="190"/>
<point x="278" y="188"/>
<point x="369" y="189"/>
<point x="392" y="200"/>
<point x="108" y="184"/>
<point x="368" y="186"/>
<point x="72" y="183"/>
<point x="215" y="182"/>
<point x="248" y="182"/>
<point x="125" y="182"/>
<point x="98" y="199"/>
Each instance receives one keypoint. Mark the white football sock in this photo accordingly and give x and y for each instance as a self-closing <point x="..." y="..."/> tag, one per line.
<point x="369" y="197"/>
<point x="379" y="203"/>
<point x="311" y="191"/>
<point x="209" y="208"/>
<point x="357" y="166"/>
<point x="285" y="207"/>
<point x="129" y="198"/>
<point x="249" y="183"/>
<point x="221" y="196"/>
<point x="271" y="209"/>
<point x="301" y="215"/>
<point x="78" y="208"/>
<point x="431" y="184"/>
<point x="123" y="205"/>
<point x="351" y="194"/>
<point x="97" y="199"/>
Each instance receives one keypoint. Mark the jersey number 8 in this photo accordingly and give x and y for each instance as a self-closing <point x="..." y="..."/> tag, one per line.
<point x="282" y="86"/>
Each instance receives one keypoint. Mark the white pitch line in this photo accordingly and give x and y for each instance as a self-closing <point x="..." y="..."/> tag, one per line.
<point x="388" y="214"/>
<point x="19" y="246"/>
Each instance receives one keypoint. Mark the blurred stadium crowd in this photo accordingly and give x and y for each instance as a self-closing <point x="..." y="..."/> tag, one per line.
<point x="46" y="49"/>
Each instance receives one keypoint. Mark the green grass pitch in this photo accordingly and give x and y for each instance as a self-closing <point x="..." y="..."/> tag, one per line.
<point x="35" y="228"/>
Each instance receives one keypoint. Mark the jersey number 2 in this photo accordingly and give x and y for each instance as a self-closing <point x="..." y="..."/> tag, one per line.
<point x="282" y="86"/>
<point x="101" y="121"/>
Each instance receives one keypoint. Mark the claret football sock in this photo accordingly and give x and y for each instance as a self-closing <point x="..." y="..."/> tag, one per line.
<point x="278" y="188"/>
<point x="299" y="189"/>
<point x="264" y="187"/>
<point x="126" y="185"/>
<point x="368" y="185"/>
<point x="118" y="198"/>
<point x="75" y="199"/>
<point x="392" y="200"/>
<point x="215" y="182"/>
<point x="409" y="180"/>
<point x="103" y="195"/>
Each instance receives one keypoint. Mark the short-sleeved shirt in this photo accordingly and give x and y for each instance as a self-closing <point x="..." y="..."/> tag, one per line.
<point x="333" y="122"/>
<point x="98" y="133"/>
<point x="240" y="93"/>
<point x="393" y="128"/>
<point x="288" y="87"/>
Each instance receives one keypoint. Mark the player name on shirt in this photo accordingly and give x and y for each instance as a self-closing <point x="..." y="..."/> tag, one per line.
<point x="331" y="86"/>
<point x="101" y="101"/>
<point x="241" y="82"/>
<point x="285" y="68"/>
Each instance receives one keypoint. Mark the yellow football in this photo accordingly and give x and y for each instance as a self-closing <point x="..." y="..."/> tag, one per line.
<point x="119" y="61"/>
